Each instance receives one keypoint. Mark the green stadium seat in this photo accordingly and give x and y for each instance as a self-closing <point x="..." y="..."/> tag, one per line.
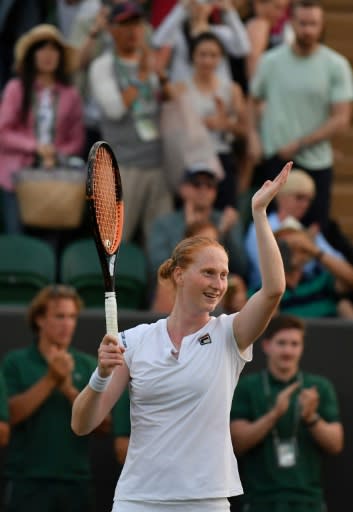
<point x="26" y="265"/>
<point x="80" y="268"/>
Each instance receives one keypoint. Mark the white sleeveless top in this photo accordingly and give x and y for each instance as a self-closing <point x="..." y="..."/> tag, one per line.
<point x="180" y="446"/>
<point x="205" y="106"/>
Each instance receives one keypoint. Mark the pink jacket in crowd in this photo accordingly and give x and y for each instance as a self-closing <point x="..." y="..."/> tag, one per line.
<point x="17" y="140"/>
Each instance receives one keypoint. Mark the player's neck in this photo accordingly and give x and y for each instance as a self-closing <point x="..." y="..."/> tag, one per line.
<point x="181" y="323"/>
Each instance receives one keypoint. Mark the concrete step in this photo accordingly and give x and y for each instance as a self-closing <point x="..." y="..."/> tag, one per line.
<point x="339" y="32"/>
<point x="342" y="206"/>
<point x="343" y="168"/>
<point x="337" y="5"/>
<point x="343" y="143"/>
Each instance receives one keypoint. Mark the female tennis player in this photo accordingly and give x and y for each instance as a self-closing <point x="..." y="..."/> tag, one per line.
<point x="182" y="372"/>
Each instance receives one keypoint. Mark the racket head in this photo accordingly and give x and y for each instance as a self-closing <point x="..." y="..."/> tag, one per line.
<point x="105" y="200"/>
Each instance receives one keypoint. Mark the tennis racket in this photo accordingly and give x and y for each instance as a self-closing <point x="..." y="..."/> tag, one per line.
<point x="106" y="208"/>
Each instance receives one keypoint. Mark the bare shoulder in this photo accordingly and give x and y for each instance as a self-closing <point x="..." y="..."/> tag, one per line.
<point x="237" y="92"/>
<point x="257" y="27"/>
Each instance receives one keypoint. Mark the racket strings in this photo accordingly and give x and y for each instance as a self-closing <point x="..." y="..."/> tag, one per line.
<point x="108" y="212"/>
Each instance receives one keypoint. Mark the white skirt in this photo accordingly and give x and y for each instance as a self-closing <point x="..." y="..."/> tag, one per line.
<point x="208" y="505"/>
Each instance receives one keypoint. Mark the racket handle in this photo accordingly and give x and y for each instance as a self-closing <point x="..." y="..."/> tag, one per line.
<point x="111" y="313"/>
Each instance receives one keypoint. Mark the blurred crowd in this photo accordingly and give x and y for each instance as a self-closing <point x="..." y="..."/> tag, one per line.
<point x="201" y="102"/>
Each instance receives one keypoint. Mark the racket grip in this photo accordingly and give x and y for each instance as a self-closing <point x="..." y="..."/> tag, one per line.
<point x="111" y="313"/>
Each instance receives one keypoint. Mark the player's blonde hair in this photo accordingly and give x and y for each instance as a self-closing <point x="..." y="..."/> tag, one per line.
<point x="184" y="254"/>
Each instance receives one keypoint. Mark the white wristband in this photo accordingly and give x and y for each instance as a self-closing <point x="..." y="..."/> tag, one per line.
<point x="98" y="383"/>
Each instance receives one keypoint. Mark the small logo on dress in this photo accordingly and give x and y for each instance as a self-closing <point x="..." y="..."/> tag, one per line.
<point x="205" y="339"/>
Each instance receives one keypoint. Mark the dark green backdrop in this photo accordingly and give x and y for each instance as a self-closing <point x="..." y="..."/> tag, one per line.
<point x="329" y="351"/>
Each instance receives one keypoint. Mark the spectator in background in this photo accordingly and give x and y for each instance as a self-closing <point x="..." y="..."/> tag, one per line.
<point x="47" y="467"/>
<point x="65" y="14"/>
<point x="220" y="104"/>
<point x="159" y="10"/>
<point x="41" y="121"/>
<point x="202" y="228"/>
<point x="283" y="421"/>
<point x="320" y="293"/>
<point x="89" y="35"/>
<point x="190" y="18"/>
<point x="126" y="90"/>
<point x="311" y="85"/>
<point x="4" y="414"/>
<point x="292" y="201"/>
<point x="267" y="14"/>
<point x="198" y="192"/>
<point x="45" y="460"/>
<point x="15" y="20"/>
<point x="282" y="30"/>
<point x="235" y="296"/>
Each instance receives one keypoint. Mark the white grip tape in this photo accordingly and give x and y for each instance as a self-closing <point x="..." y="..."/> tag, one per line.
<point x="111" y="313"/>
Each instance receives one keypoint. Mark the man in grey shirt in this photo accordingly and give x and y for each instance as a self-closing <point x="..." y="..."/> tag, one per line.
<point x="126" y="91"/>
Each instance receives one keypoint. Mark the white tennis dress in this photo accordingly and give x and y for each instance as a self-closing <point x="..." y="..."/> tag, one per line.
<point x="180" y="451"/>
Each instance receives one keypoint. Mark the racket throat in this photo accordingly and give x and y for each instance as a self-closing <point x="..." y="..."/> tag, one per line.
<point x="108" y="267"/>
<point x="111" y="265"/>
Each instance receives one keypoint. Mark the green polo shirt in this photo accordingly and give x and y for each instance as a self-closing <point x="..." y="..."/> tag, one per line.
<point x="262" y="478"/>
<point x="4" y="410"/>
<point x="313" y="297"/>
<point x="121" y="416"/>
<point x="44" y="446"/>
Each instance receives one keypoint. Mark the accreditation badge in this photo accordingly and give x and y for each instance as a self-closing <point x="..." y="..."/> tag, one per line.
<point x="147" y="129"/>
<point x="286" y="451"/>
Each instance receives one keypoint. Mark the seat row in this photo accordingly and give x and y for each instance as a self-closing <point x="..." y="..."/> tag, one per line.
<point x="27" y="264"/>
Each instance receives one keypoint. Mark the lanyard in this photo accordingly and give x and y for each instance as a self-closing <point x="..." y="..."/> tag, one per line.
<point x="296" y="419"/>
<point x="126" y="77"/>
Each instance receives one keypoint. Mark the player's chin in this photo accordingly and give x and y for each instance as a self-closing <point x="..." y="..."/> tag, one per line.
<point x="211" y="306"/>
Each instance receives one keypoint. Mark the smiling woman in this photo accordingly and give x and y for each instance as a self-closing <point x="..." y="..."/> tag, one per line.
<point x="182" y="372"/>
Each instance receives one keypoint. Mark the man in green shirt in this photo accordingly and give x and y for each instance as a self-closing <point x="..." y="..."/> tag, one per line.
<point x="48" y="466"/>
<point x="282" y="421"/>
<point x="301" y="97"/>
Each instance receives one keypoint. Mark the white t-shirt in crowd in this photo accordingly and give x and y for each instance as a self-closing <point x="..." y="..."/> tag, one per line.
<point x="180" y="446"/>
